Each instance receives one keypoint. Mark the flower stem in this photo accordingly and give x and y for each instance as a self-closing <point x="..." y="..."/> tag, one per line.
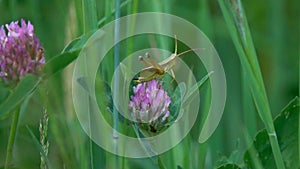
<point x="11" y="139"/>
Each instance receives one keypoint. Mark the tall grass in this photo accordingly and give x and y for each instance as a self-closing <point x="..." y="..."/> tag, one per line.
<point x="90" y="24"/>
<point x="70" y="147"/>
<point x="238" y="27"/>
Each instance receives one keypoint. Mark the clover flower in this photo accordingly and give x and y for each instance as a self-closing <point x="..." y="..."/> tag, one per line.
<point x="20" y="51"/>
<point x="150" y="103"/>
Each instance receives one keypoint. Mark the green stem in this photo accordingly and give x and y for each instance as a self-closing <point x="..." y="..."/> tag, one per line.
<point x="116" y="86"/>
<point x="109" y="12"/>
<point x="238" y="27"/>
<point x="90" y="140"/>
<point x="11" y="139"/>
<point x="89" y="15"/>
<point x="248" y="107"/>
<point x="90" y="24"/>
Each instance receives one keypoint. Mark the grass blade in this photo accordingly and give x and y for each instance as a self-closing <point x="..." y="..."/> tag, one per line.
<point x="90" y="24"/>
<point x="89" y="15"/>
<point x="238" y="27"/>
<point x="59" y="62"/>
<point x="116" y="86"/>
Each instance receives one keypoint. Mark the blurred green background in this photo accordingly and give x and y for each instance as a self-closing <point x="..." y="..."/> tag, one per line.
<point x="275" y="30"/>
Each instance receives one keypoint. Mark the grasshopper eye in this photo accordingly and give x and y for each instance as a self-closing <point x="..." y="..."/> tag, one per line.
<point x="147" y="55"/>
<point x="141" y="58"/>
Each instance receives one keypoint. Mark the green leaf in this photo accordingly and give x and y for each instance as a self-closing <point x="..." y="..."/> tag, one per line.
<point x="24" y="105"/>
<point x="286" y="126"/>
<point x="60" y="62"/>
<point x="25" y="87"/>
<point x="68" y="55"/>
<point x="229" y="166"/>
<point x="4" y="93"/>
<point x="75" y="44"/>
<point x="72" y="46"/>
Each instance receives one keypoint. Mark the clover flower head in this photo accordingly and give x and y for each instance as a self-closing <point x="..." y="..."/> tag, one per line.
<point x="150" y="103"/>
<point x="20" y="51"/>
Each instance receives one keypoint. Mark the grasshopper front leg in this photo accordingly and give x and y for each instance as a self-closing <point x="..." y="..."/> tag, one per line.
<point x="173" y="76"/>
<point x="146" y="79"/>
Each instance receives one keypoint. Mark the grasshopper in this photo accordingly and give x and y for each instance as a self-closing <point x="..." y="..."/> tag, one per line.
<point x="154" y="70"/>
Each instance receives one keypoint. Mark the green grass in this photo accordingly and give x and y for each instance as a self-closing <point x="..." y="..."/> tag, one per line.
<point x="258" y="46"/>
<point x="237" y="23"/>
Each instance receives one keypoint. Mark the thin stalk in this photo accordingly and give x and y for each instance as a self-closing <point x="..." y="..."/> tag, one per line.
<point x="164" y="43"/>
<point x="107" y="69"/>
<point x="89" y="114"/>
<point x="109" y="13"/>
<point x="79" y="16"/>
<point x="205" y="23"/>
<point x="90" y="140"/>
<point x="205" y="19"/>
<point x="116" y="86"/>
<point x="90" y="24"/>
<point x="131" y="10"/>
<point x="238" y="27"/>
<point x="11" y="139"/>
<point x="299" y="95"/>
<point x="89" y="15"/>
<point x="248" y="107"/>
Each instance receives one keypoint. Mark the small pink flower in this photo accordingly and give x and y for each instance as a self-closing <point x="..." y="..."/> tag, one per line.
<point x="20" y="51"/>
<point x="150" y="103"/>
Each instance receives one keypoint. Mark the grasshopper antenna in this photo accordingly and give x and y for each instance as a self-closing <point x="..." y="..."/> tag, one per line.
<point x="175" y="44"/>
<point x="182" y="53"/>
<point x="187" y="51"/>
